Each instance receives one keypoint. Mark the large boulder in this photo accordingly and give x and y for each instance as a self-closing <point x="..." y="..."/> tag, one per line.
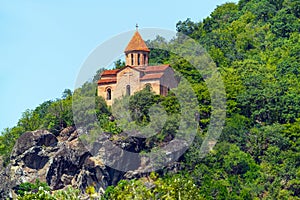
<point x="59" y="161"/>
<point x="33" y="139"/>
<point x="66" y="163"/>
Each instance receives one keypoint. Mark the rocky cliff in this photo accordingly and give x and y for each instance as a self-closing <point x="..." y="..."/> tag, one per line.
<point x="63" y="160"/>
<point x="59" y="161"/>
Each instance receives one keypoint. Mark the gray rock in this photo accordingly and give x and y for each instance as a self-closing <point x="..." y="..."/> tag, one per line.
<point x="64" y="160"/>
<point x="33" y="139"/>
<point x="59" y="161"/>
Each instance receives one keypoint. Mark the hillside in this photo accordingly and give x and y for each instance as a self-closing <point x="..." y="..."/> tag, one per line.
<point x="256" y="47"/>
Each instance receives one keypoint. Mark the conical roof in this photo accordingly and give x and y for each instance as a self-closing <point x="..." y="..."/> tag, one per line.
<point x="136" y="43"/>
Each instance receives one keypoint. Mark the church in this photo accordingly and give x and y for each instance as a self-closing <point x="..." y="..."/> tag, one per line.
<point x="136" y="75"/>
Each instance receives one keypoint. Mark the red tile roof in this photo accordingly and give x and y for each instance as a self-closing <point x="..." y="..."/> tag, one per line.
<point x="107" y="81"/>
<point x="136" y="44"/>
<point x="109" y="72"/>
<point x="151" y="72"/>
<point x="159" y="68"/>
<point x="152" y="76"/>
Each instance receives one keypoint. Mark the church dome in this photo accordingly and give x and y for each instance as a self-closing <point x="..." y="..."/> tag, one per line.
<point x="136" y="44"/>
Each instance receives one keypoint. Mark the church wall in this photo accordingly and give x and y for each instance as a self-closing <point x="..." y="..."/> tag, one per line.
<point x="155" y="84"/>
<point x="102" y="92"/>
<point x="168" y="80"/>
<point x="127" y="76"/>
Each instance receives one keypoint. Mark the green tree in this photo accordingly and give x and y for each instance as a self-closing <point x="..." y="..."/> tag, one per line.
<point x="119" y="64"/>
<point x="30" y="120"/>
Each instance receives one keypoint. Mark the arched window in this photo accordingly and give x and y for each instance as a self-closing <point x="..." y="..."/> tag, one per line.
<point x="131" y="59"/>
<point x="128" y="90"/>
<point x="148" y="86"/>
<point x="108" y="94"/>
<point x="139" y="59"/>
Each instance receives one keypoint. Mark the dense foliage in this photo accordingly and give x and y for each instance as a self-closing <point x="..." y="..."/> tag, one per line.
<point x="255" y="45"/>
<point x="39" y="190"/>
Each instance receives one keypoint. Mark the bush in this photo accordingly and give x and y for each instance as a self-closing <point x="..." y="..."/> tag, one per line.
<point x="27" y="187"/>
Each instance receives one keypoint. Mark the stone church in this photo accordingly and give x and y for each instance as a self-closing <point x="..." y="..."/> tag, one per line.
<point x="137" y="73"/>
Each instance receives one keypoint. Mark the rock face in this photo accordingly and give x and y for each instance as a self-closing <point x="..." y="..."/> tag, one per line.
<point x="60" y="161"/>
<point x="63" y="160"/>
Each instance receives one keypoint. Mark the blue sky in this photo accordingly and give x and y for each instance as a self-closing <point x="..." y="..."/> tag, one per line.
<point x="44" y="43"/>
